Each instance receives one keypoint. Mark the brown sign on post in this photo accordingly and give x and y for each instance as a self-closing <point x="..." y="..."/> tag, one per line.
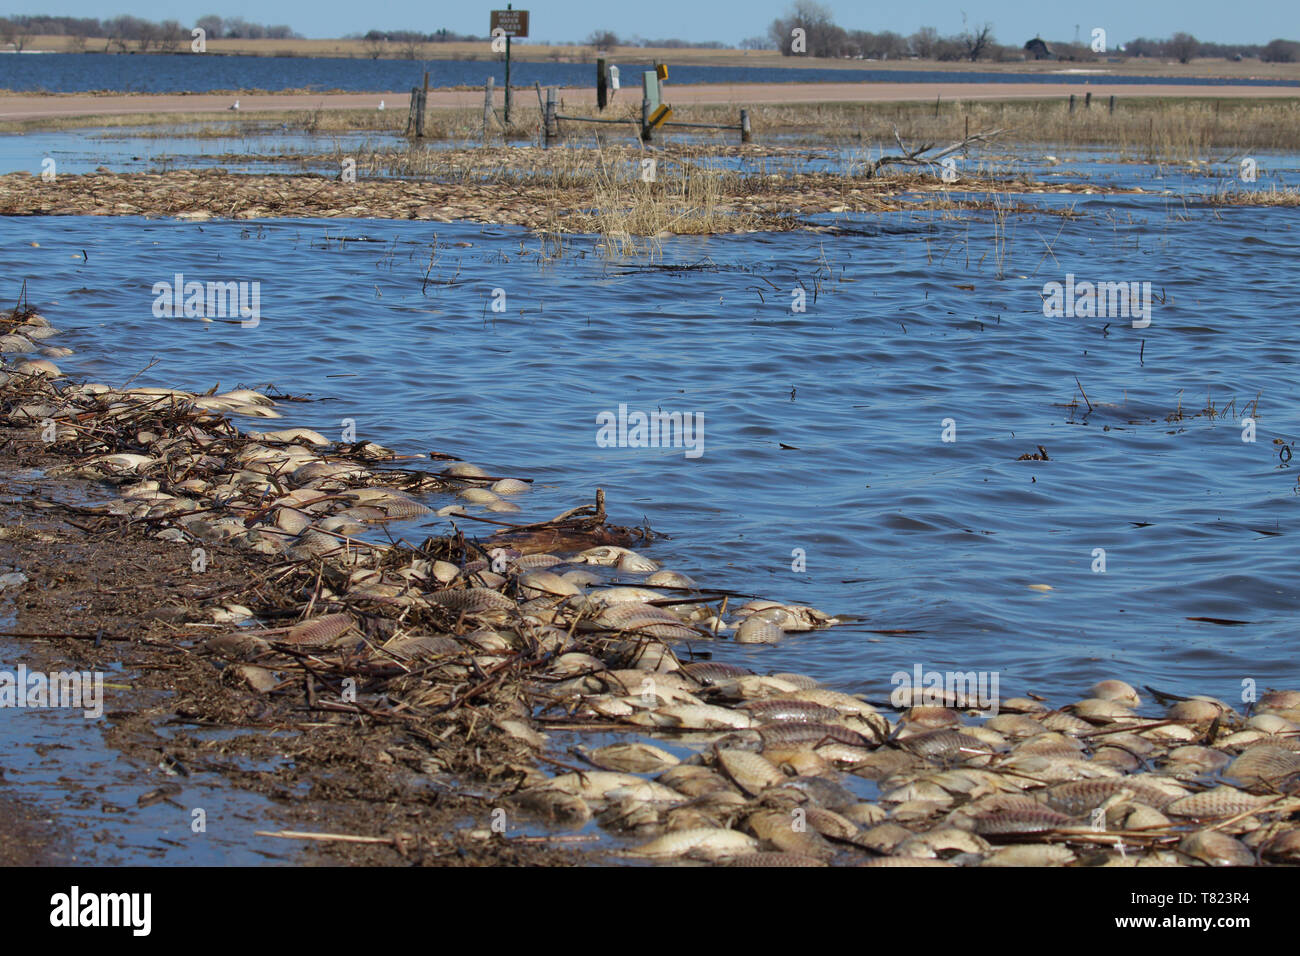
<point x="511" y="23"/>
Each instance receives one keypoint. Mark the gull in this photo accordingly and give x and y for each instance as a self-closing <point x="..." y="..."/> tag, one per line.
<point x="381" y="104"/>
<point x="235" y="106"/>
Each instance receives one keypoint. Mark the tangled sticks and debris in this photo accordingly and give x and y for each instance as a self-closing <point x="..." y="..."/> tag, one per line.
<point x="470" y="644"/>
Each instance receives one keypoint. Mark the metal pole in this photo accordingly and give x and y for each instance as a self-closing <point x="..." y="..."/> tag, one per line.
<point x="487" y="107"/>
<point x="645" y="119"/>
<point x="509" y="6"/>
<point x="602" y="93"/>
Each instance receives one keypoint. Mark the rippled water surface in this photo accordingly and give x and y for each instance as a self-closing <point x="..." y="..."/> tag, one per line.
<point x="954" y="554"/>
<point x="83" y="72"/>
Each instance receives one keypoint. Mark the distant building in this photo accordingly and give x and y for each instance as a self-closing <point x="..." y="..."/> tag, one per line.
<point x="1038" y="49"/>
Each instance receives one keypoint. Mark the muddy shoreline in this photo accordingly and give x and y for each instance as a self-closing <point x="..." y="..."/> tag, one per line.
<point x="353" y="776"/>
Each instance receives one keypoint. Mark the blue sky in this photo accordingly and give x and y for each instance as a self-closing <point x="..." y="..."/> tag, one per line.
<point x="730" y="21"/>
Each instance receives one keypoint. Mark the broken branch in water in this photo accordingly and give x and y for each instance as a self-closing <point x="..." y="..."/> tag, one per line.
<point x="918" y="157"/>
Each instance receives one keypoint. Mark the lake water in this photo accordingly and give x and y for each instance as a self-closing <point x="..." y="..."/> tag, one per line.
<point x="84" y="72"/>
<point x="920" y="322"/>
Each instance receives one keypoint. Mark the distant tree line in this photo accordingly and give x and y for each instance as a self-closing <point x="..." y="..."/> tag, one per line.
<point x="822" y="37"/>
<point x="134" y="33"/>
<point x="414" y="36"/>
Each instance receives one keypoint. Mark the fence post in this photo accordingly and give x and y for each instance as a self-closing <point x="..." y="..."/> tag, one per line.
<point x="602" y="91"/>
<point x="419" y="117"/>
<point x="1112" y="104"/>
<point x="549" y="120"/>
<point x="1071" y="104"/>
<point x="487" y="108"/>
<point x="1087" y="100"/>
<point x="645" y="119"/>
<point x="410" y="113"/>
<point x="744" y="126"/>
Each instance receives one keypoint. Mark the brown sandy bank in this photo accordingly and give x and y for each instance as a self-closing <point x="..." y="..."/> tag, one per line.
<point x="30" y="106"/>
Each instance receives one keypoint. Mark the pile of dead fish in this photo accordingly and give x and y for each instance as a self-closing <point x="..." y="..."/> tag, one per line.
<point x="768" y="769"/>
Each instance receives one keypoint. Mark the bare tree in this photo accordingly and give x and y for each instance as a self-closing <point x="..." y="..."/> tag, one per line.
<point x="977" y="41"/>
<point x="924" y="42"/>
<point x="375" y="47"/>
<point x="14" y="33"/>
<point x="412" y="50"/>
<point x="603" y="39"/>
<point x="211" y="26"/>
<point x="1183" y="46"/>
<point x="170" y="34"/>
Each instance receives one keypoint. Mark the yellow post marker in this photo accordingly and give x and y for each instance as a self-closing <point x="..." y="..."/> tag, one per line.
<point x="660" y="116"/>
<point x="662" y="71"/>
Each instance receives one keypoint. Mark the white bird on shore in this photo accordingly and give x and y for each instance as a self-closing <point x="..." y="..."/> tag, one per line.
<point x="381" y="104"/>
<point x="235" y="106"/>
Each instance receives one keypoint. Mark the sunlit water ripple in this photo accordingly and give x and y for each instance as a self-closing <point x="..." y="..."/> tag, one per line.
<point x="942" y="539"/>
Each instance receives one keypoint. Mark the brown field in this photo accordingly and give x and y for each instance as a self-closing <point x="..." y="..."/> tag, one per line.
<point x="21" y="111"/>
<point x="566" y="53"/>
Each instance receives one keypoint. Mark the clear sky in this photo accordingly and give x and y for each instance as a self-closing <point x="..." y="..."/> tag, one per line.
<point x="1014" y="21"/>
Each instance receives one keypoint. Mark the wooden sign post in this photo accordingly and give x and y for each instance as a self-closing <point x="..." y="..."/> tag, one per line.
<point x="511" y="23"/>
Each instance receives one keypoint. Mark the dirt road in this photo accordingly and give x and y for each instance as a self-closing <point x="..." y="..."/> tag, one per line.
<point x="26" y="106"/>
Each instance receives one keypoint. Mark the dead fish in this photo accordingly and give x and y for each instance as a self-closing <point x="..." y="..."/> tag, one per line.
<point x="591" y="784"/>
<point x="39" y="367"/>
<point x="810" y="734"/>
<point x="1013" y="822"/>
<point x="751" y="772"/>
<point x="463" y="469"/>
<point x="706" y="843"/>
<point x="844" y="703"/>
<point x="1216" y="849"/>
<point x="1031" y="854"/>
<point x="1219" y="802"/>
<point x="472" y="600"/>
<point x="780" y="710"/>
<point x="694" y="717"/>
<point x="775" y="858"/>
<point x="1265" y="764"/>
<point x="634" y="758"/>
<point x="547" y="582"/>
<point x="944" y="745"/>
<point x="754" y="630"/>
<point x="1116" y="690"/>
<point x="943" y="840"/>
<point x="789" y="832"/>
<point x="319" y="632"/>
<point x="1284" y="848"/>
<point x="510" y="486"/>
<point x="669" y="579"/>
<point x="644" y="619"/>
<point x="711" y="672"/>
